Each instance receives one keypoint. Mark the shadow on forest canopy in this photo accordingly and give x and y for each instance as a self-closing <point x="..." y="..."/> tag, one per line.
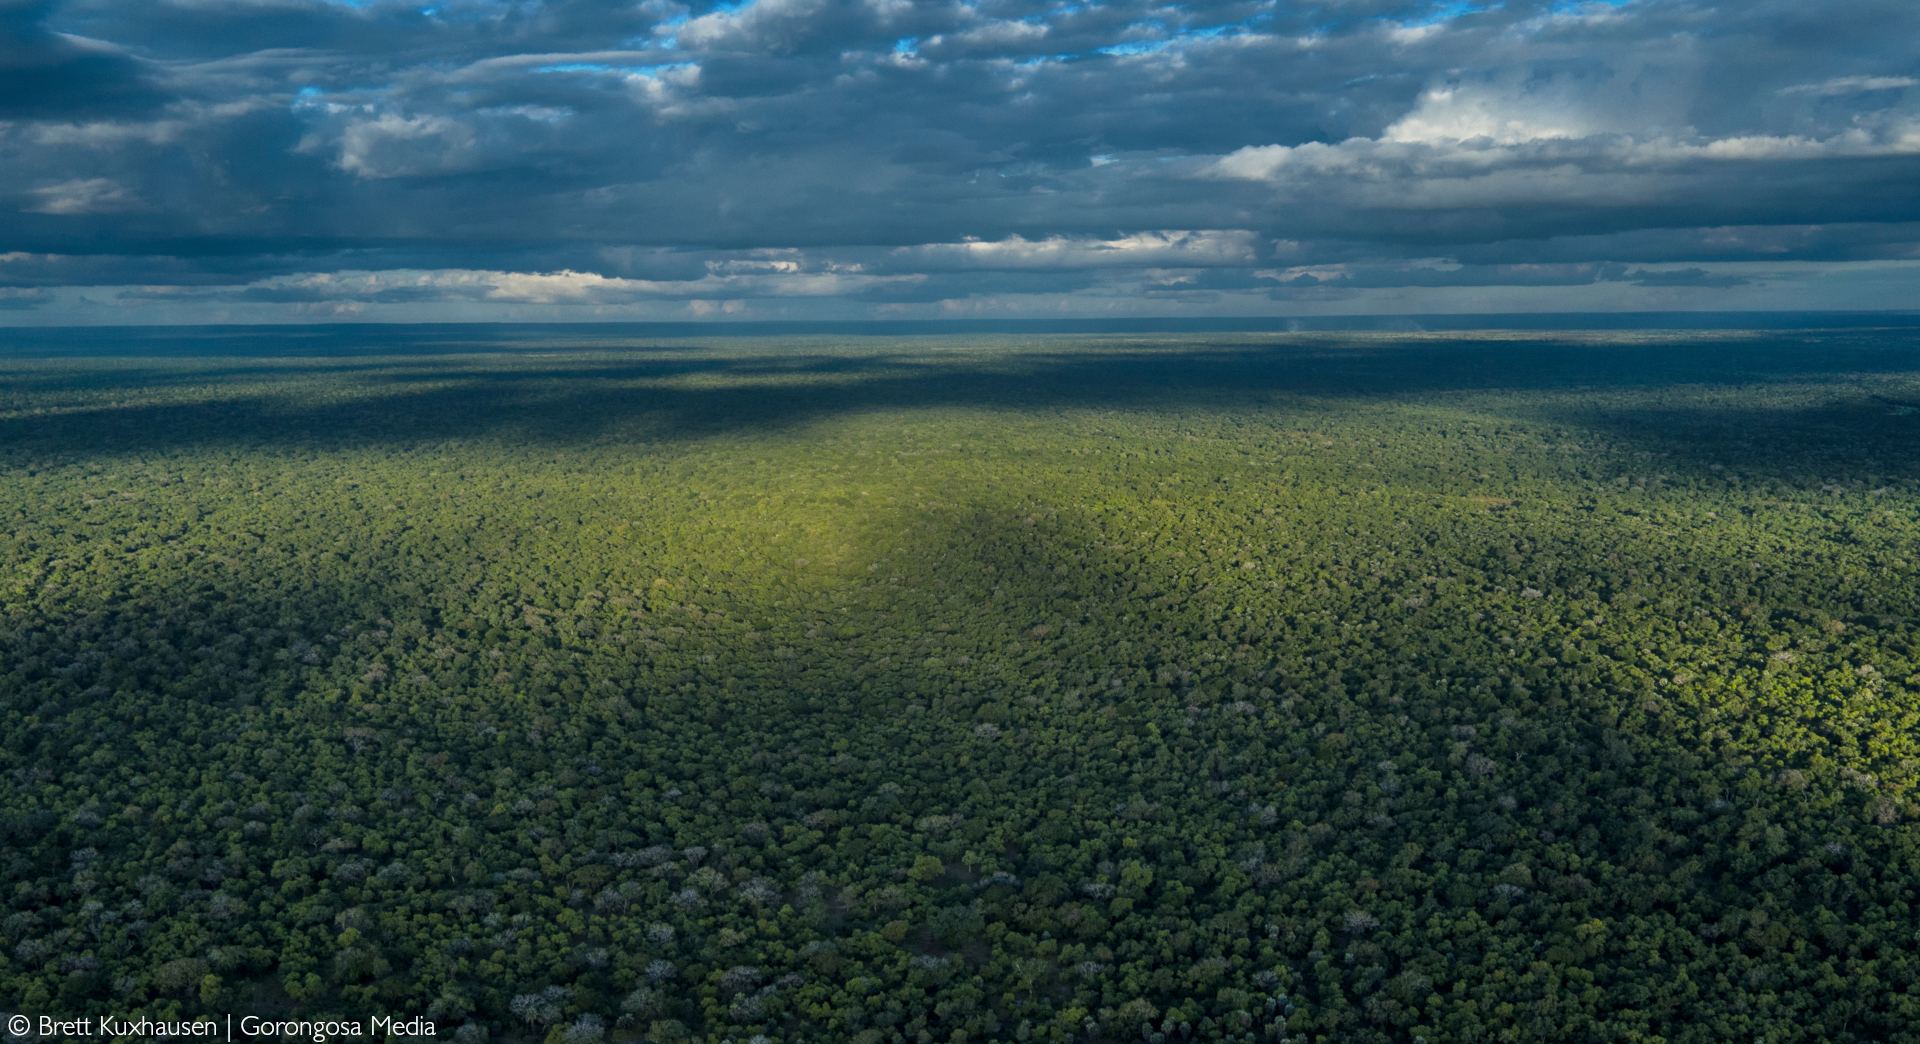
<point x="1845" y="403"/>
<point x="1619" y="788"/>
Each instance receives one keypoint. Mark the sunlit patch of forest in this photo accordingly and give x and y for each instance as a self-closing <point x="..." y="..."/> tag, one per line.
<point x="1123" y="688"/>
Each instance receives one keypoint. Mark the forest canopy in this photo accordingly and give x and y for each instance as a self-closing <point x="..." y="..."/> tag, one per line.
<point x="1270" y="687"/>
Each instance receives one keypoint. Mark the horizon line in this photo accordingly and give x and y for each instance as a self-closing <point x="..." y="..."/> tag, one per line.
<point x="1411" y="322"/>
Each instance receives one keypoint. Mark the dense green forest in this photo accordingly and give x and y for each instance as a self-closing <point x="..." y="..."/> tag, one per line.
<point x="1121" y="688"/>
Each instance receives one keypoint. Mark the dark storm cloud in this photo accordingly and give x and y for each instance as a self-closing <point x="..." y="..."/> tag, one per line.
<point x="49" y="75"/>
<point x="474" y="158"/>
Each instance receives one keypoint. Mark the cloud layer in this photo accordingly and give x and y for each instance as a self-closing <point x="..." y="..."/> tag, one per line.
<point x="263" y="160"/>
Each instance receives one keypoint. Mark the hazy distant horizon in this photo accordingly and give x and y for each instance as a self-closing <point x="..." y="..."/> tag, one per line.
<point x="1385" y="322"/>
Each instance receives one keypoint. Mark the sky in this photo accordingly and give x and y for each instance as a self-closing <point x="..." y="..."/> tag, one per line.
<point x="202" y="161"/>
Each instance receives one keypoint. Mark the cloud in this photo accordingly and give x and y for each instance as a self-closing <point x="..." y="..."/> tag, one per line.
<point x="475" y="159"/>
<point x="17" y="298"/>
<point x="1137" y="250"/>
<point x="82" y="196"/>
<point x="563" y="287"/>
<point x="49" y="74"/>
<point x="1745" y="177"/>
<point x="1852" y="85"/>
<point x="1684" y="277"/>
<point x="392" y="145"/>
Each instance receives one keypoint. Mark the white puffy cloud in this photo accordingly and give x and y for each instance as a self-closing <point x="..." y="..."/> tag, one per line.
<point x="393" y="145"/>
<point x="1136" y="250"/>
